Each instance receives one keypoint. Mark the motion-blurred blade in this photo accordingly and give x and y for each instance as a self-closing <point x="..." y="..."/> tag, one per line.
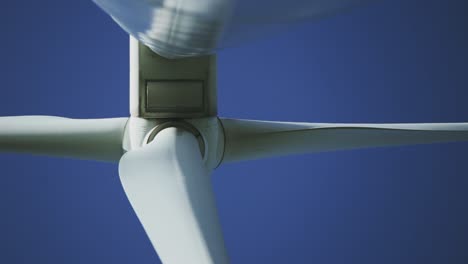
<point x="251" y="20"/>
<point x="95" y="139"/>
<point x="181" y="28"/>
<point x="249" y="139"/>
<point x="171" y="28"/>
<point x="170" y="190"/>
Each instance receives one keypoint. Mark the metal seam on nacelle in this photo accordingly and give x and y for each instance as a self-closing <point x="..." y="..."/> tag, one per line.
<point x="224" y="142"/>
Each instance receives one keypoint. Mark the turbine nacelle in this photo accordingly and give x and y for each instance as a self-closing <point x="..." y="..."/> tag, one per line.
<point x="171" y="89"/>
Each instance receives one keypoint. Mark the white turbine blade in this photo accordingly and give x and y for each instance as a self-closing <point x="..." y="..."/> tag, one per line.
<point x="255" y="19"/>
<point x="181" y="28"/>
<point x="95" y="139"/>
<point x="170" y="190"/>
<point x="171" y="28"/>
<point x="249" y="139"/>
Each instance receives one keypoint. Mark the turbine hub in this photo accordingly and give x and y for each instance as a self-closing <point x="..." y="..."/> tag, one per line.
<point x="181" y="125"/>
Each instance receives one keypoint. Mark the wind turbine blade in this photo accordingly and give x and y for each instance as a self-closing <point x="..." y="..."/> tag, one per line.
<point x="95" y="139"/>
<point x="170" y="190"/>
<point x="249" y="139"/>
<point x="251" y="20"/>
<point x="181" y="28"/>
<point x="171" y="28"/>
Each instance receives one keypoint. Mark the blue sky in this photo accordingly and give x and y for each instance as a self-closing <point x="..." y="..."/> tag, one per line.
<point x="394" y="61"/>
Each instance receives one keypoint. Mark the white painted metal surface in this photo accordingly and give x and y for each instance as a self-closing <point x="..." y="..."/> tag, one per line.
<point x="93" y="139"/>
<point x="184" y="28"/>
<point x="169" y="187"/>
<point x="251" y="139"/>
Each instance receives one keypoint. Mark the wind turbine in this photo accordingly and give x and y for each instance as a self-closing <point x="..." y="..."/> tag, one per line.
<point x="174" y="139"/>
